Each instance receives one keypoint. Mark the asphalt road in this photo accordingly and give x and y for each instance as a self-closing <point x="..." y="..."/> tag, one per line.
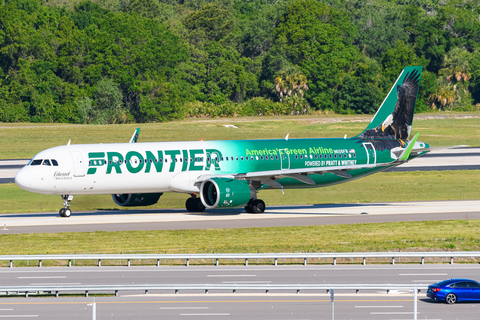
<point x="241" y="305"/>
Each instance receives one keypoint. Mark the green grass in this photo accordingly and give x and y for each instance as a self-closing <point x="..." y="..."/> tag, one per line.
<point x="404" y="236"/>
<point x="380" y="187"/>
<point x="23" y="141"/>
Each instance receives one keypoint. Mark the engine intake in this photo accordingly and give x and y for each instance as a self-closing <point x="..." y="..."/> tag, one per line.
<point x="136" y="199"/>
<point x="225" y="192"/>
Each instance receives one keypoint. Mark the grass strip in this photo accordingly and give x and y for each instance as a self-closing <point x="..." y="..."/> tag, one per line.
<point x="380" y="187"/>
<point x="23" y="141"/>
<point x="452" y="235"/>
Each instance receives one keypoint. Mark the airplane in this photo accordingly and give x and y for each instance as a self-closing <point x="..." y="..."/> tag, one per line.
<point x="228" y="174"/>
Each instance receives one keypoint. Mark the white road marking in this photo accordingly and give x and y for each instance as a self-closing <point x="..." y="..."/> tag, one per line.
<point x="378" y="306"/>
<point x="182" y="308"/>
<point x="19" y="316"/>
<point x="422" y="274"/>
<point x="246" y="281"/>
<point x="231" y="275"/>
<point x="6" y="309"/>
<point x="53" y="277"/>
<point x="392" y="312"/>
<point x="53" y="284"/>
<point x="204" y="314"/>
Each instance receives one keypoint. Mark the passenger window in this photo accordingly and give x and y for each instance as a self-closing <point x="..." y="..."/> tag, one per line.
<point x="354" y="155"/>
<point x="46" y="162"/>
<point x="276" y="157"/>
<point x="246" y="158"/>
<point x="271" y="157"/>
<point x="301" y="156"/>
<point x="296" y="157"/>
<point x="256" y="157"/>
<point x="330" y="156"/>
<point x="345" y="155"/>
<point x="261" y="157"/>
<point x="191" y="159"/>
<point x="321" y="156"/>
<point x="36" y="162"/>
<point x="226" y="158"/>
<point x="236" y="158"/>
<point x="54" y="162"/>
<point x="241" y="158"/>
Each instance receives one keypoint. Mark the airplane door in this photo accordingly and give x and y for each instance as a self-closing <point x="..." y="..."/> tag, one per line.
<point x="285" y="159"/>
<point x="78" y="165"/>
<point x="371" y="153"/>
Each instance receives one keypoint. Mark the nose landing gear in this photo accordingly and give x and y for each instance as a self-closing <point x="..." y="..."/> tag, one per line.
<point x="66" y="212"/>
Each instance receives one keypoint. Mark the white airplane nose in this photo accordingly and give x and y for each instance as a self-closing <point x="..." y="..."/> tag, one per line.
<point x="22" y="180"/>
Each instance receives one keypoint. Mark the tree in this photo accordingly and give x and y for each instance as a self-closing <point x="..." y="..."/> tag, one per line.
<point x="318" y="39"/>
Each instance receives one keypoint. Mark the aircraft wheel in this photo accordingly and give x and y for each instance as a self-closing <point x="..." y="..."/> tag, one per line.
<point x="62" y="212"/>
<point x="258" y="206"/>
<point x="189" y="205"/>
<point x="248" y="209"/>
<point x="67" y="213"/>
<point x="198" y="205"/>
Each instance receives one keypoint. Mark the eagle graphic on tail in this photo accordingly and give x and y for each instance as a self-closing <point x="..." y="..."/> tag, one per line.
<point x="394" y="131"/>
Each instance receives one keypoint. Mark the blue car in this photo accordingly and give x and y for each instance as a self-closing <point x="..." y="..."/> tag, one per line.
<point x="455" y="290"/>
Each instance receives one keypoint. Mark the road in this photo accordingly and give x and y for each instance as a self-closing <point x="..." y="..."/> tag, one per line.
<point x="241" y="305"/>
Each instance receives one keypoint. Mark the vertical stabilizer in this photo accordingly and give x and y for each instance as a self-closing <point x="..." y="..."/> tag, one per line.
<point x="393" y="120"/>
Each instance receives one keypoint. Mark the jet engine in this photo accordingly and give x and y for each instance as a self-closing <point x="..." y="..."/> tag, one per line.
<point x="136" y="199"/>
<point x="225" y="192"/>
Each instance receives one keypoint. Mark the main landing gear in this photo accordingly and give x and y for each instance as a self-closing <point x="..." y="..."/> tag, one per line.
<point x="194" y="204"/>
<point x="255" y="206"/>
<point x="66" y="212"/>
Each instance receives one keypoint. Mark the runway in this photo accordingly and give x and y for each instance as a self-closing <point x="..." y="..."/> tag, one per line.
<point x="295" y="215"/>
<point x="241" y="305"/>
<point x="446" y="159"/>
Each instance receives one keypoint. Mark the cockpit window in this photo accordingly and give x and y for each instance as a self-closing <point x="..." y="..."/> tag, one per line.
<point x="36" y="162"/>
<point x="54" y="162"/>
<point x="46" y="162"/>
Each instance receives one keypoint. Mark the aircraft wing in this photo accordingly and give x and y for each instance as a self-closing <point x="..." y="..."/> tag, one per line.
<point x="270" y="177"/>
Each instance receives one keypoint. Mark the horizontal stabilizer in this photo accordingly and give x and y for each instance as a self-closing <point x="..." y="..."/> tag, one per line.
<point x="405" y="154"/>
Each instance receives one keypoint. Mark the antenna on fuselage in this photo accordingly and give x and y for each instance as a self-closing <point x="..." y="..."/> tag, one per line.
<point x="286" y="138"/>
<point x="69" y="142"/>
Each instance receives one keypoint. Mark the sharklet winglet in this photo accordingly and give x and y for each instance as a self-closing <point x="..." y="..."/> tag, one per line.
<point x="405" y="154"/>
<point x="134" y="137"/>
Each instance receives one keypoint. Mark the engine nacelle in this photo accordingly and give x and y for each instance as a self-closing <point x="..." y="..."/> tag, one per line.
<point x="136" y="199"/>
<point x="225" y="192"/>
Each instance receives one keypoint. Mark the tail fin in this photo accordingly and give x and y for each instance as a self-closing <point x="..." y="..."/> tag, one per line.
<point x="393" y="120"/>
